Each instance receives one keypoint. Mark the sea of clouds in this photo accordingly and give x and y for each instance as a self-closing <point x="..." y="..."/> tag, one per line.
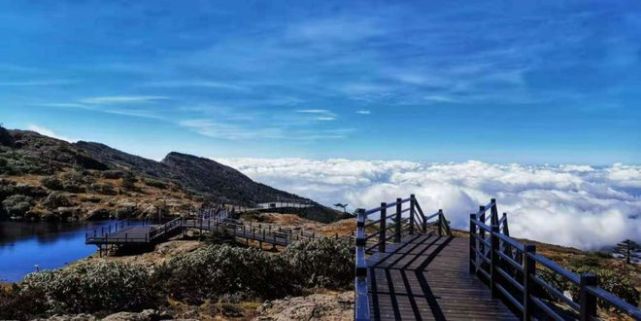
<point x="575" y="205"/>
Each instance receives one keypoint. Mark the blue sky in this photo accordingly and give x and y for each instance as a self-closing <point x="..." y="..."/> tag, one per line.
<point x="531" y="82"/>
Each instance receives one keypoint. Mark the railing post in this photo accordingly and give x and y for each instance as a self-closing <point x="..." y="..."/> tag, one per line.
<point x="383" y="227"/>
<point x="412" y="200"/>
<point x="397" y="232"/>
<point x="473" y="257"/>
<point x="586" y="299"/>
<point x="481" y="245"/>
<point x="495" y="212"/>
<point x="494" y="260"/>
<point x="441" y="224"/>
<point x="529" y="271"/>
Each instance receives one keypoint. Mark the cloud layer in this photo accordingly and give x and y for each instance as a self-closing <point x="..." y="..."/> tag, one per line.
<point x="575" y="205"/>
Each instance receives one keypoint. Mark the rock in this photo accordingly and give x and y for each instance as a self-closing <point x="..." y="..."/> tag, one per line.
<point x="77" y="317"/>
<point x="322" y="307"/>
<point x="98" y="214"/>
<point x="145" y="315"/>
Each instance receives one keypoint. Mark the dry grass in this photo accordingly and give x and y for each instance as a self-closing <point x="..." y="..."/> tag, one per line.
<point x="344" y="227"/>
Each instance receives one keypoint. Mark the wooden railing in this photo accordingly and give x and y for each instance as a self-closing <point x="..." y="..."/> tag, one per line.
<point x="510" y="269"/>
<point x="405" y="218"/>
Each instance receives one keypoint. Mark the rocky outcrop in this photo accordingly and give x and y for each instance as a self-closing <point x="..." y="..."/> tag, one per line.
<point x="332" y="306"/>
<point x="145" y="315"/>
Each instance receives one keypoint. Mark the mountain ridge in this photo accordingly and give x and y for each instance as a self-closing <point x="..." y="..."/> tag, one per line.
<point x="44" y="177"/>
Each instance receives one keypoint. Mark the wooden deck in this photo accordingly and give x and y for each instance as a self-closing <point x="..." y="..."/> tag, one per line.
<point x="427" y="277"/>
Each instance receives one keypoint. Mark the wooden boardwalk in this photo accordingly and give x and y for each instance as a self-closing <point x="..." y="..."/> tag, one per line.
<point x="426" y="277"/>
<point x="410" y="267"/>
<point x="120" y="236"/>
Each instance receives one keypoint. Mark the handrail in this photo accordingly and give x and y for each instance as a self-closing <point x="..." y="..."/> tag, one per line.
<point x="518" y="284"/>
<point x="391" y="226"/>
<point x="387" y="205"/>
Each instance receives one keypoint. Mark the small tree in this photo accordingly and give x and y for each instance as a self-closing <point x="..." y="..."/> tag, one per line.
<point x="343" y="206"/>
<point x="629" y="249"/>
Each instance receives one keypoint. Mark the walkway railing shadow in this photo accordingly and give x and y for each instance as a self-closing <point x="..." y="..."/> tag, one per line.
<point x="383" y="235"/>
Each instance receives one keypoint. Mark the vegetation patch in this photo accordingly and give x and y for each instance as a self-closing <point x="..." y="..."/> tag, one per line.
<point x="210" y="272"/>
<point x="322" y="262"/>
<point x="95" y="287"/>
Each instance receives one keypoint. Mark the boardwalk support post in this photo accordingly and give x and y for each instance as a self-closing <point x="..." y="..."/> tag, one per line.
<point x="412" y="200"/>
<point x="494" y="260"/>
<point x="383" y="228"/>
<point x="529" y="272"/>
<point x="473" y="258"/>
<point x="586" y="299"/>
<point x="397" y="229"/>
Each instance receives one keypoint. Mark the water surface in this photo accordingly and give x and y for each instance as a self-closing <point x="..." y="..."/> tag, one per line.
<point x="25" y="246"/>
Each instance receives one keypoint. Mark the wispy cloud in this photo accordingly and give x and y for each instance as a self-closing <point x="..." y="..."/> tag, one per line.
<point x="230" y="131"/>
<point x="106" y="100"/>
<point x="245" y="131"/>
<point x="198" y="84"/>
<point x="363" y="112"/>
<point x="105" y="108"/>
<point x="32" y="83"/>
<point x="336" y="29"/>
<point x="48" y="132"/>
<point x="319" y="114"/>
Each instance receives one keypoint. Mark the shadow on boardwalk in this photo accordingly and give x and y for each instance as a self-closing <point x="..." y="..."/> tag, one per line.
<point x="427" y="278"/>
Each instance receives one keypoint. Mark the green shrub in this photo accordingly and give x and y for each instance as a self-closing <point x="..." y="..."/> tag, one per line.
<point x="52" y="182"/>
<point x="322" y="262"/>
<point x="221" y="269"/>
<point x="17" y="204"/>
<point x="92" y="287"/>
<point x="17" y="305"/>
<point x="113" y="174"/>
<point x="129" y="181"/>
<point x="57" y="199"/>
<point x="76" y="181"/>
<point x="155" y="183"/>
<point x="611" y="281"/>
<point x="106" y="188"/>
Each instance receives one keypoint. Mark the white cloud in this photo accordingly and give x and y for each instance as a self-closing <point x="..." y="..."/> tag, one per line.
<point x="197" y="83"/>
<point x="48" y="132"/>
<point x="102" y="100"/>
<point x="363" y="112"/>
<point x="575" y="205"/>
<point x="320" y="114"/>
<point x="240" y="131"/>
